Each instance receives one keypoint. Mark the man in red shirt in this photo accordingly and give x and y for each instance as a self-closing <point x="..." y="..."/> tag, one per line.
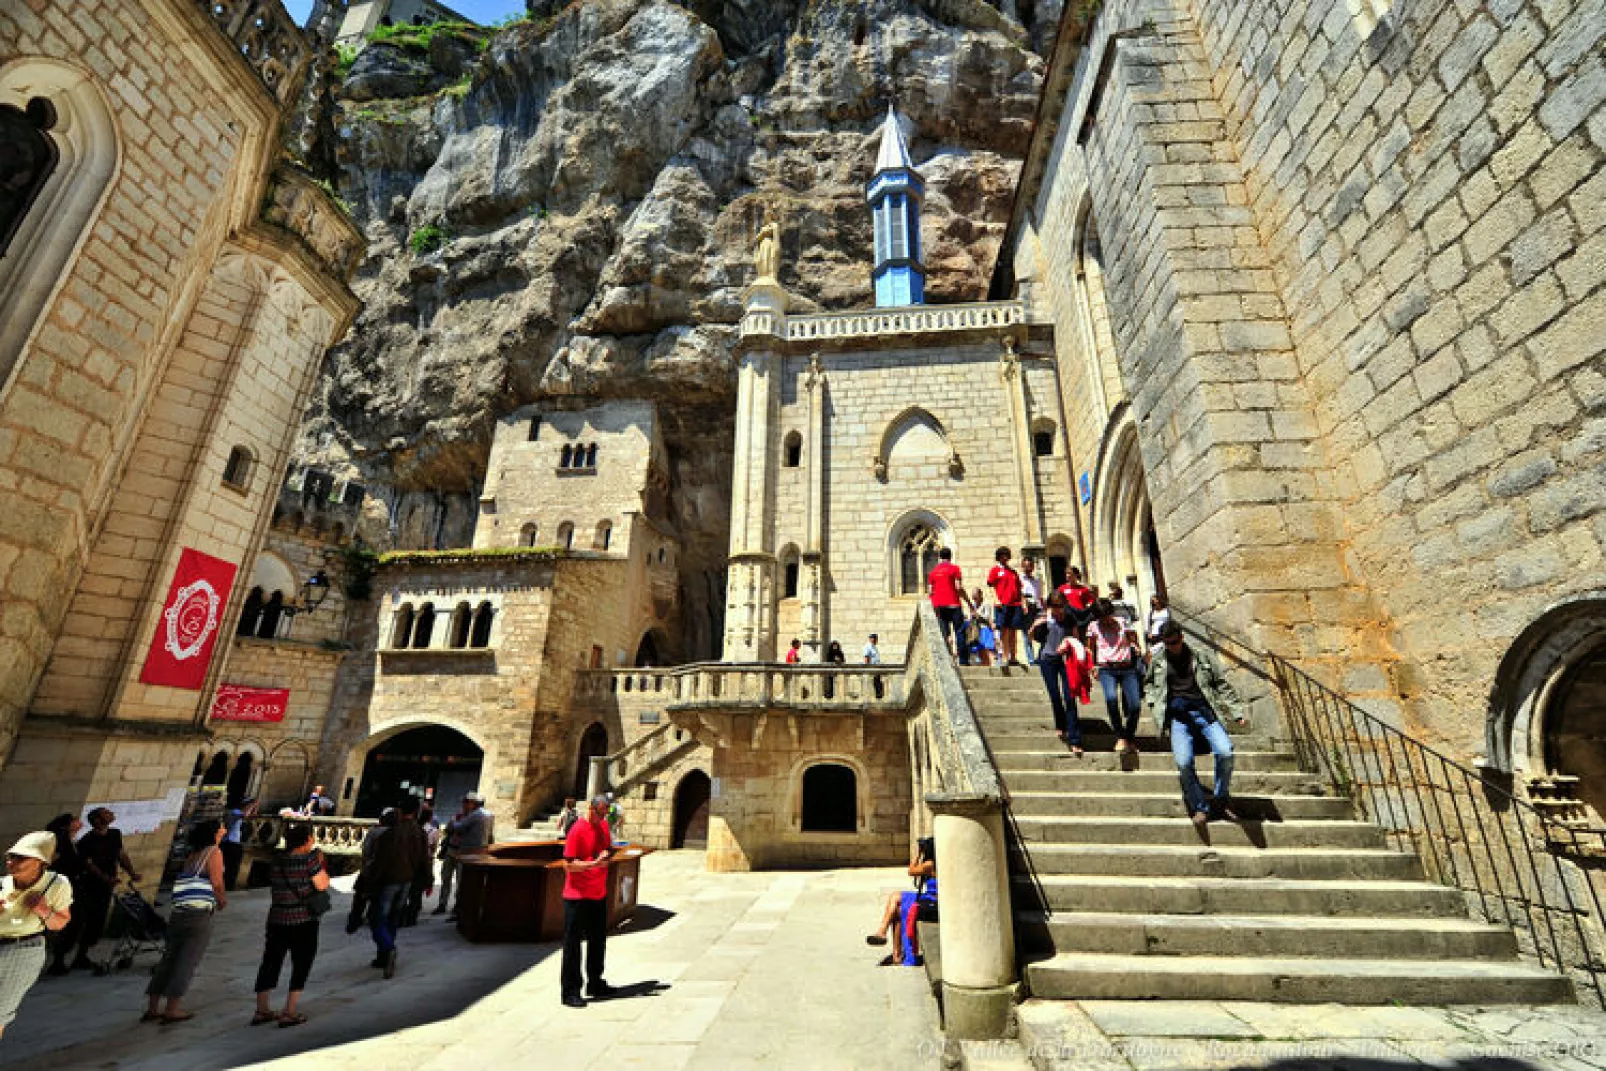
<point x="1079" y="599"/>
<point x="1009" y="616"/>
<point x="947" y="592"/>
<point x="585" y="903"/>
<point x="794" y="653"/>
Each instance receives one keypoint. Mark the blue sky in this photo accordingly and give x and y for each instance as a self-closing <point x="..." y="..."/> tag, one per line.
<point x="481" y="11"/>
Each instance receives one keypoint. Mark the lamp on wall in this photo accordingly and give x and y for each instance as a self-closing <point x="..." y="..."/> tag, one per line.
<point x="313" y="592"/>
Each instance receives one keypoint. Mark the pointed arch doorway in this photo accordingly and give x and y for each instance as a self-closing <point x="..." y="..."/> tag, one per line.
<point x="690" y="828"/>
<point x="1126" y="547"/>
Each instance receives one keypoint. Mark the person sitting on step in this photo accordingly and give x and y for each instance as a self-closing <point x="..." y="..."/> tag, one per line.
<point x="904" y="909"/>
<point x="1187" y="686"/>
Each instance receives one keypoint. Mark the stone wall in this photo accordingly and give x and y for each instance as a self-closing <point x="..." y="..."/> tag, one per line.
<point x="1353" y="276"/>
<point x="756" y="813"/>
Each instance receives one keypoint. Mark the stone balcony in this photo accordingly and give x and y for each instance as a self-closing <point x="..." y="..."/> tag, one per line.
<point x="263" y="32"/>
<point x="296" y="203"/>
<point x="766" y="322"/>
<point x="754" y="687"/>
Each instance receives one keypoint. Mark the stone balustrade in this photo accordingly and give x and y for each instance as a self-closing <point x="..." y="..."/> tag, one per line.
<point x="298" y="204"/>
<point x="269" y="39"/>
<point x="909" y="320"/>
<point x="333" y="836"/>
<point x="760" y="685"/>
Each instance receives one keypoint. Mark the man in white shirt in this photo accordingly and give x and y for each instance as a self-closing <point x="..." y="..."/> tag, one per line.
<point x="1031" y="591"/>
<point x="872" y="651"/>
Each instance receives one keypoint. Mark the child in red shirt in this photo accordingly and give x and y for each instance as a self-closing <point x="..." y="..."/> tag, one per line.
<point x="794" y="654"/>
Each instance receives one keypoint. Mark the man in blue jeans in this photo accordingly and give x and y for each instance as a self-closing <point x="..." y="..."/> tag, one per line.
<point x="947" y="587"/>
<point x="1189" y="687"/>
<point x="400" y="856"/>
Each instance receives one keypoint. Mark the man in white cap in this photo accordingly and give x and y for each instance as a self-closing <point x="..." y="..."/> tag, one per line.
<point x="585" y="904"/>
<point x="466" y="834"/>
<point x="33" y="899"/>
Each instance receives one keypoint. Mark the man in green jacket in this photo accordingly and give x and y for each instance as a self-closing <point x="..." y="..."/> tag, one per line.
<point x="1188" y="688"/>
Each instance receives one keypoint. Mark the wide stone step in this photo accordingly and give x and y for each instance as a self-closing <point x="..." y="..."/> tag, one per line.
<point x="1236" y="896"/>
<point x="1105" y="829"/>
<point x="1158" y="781"/>
<point x="1090" y="976"/>
<point x="1099" y="738"/>
<point x="1056" y="757"/>
<point x="1162" y="804"/>
<point x="1181" y="860"/>
<point x="1281" y="936"/>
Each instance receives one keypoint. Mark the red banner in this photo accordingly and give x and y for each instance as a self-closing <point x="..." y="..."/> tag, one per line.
<point x="188" y="625"/>
<point x="241" y="702"/>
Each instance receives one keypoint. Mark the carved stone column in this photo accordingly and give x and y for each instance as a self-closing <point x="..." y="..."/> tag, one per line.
<point x="813" y="579"/>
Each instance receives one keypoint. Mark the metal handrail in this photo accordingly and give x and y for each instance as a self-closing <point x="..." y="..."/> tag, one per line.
<point x="1509" y="859"/>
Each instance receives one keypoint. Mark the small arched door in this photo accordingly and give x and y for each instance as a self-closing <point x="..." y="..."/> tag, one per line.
<point x="592" y="744"/>
<point x="691" y="811"/>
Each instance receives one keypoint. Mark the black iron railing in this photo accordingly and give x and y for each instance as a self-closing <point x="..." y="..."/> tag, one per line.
<point x="1517" y="865"/>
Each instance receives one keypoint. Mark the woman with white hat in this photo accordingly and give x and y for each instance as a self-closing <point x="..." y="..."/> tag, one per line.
<point x="32" y="900"/>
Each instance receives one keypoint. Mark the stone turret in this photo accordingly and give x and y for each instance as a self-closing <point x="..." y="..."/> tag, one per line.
<point x="894" y="193"/>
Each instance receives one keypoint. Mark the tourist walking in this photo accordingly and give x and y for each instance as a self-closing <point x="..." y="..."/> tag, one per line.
<point x="1123" y="609"/>
<point x="1009" y="614"/>
<point x="102" y="853"/>
<point x="1187" y="685"/>
<point x="569" y="816"/>
<point x="585" y="905"/>
<point x="299" y="885"/>
<point x="400" y="857"/>
<point x="1031" y="594"/>
<point x="423" y="885"/>
<point x="794" y="653"/>
<point x="65" y="827"/>
<point x="1114" y="646"/>
<point x="1079" y="599"/>
<point x="872" y="651"/>
<point x="465" y="835"/>
<point x="1051" y="664"/>
<point x="34" y="900"/>
<point x="233" y="845"/>
<point x="198" y="892"/>
<point x="1159" y="614"/>
<point x="947" y="590"/>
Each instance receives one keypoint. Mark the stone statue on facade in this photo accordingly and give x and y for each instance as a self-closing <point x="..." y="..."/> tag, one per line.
<point x="767" y="248"/>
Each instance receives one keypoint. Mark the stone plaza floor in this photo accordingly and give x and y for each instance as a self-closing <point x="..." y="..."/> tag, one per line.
<point x="754" y="970"/>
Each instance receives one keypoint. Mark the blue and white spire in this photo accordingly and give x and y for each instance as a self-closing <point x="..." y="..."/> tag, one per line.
<point x="894" y="193"/>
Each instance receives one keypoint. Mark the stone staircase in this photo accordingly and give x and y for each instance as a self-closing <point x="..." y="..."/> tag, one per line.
<point x="1118" y="896"/>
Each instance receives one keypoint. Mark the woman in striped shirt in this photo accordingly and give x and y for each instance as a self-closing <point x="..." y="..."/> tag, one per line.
<point x="297" y="874"/>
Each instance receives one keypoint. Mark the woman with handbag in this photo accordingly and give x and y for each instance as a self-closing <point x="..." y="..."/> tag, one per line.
<point x="197" y="893"/>
<point x="1114" y="647"/>
<point x="300" y="889"/>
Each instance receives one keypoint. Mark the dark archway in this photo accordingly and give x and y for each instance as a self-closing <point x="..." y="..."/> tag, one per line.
<point x="592" y="744"/>
<point x="647" y="652"/>
<point x="830" y="799"/>
<point x="240" y="778"/>
<point x="218" y="771"/>
<point x="434" y="763"/>
<point x="690" y="828"/>
<point x="1575" y="727"/>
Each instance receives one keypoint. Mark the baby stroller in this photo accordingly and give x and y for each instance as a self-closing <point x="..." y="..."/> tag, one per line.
<point x="139" y="929"/>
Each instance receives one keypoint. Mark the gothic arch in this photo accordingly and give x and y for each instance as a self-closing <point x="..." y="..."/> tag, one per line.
<point x="899" y="533"/>
<point x="47" y="243"/>
<point x="913" y="421"/>
<point x="1095" y="331"/>
<point x="1125" y="547"/>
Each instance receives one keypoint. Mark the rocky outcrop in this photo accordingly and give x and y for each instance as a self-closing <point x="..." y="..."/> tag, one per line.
<point x="577" y="219"/>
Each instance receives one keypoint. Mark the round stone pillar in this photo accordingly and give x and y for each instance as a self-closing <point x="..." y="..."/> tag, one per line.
<point x="976" y="931"/>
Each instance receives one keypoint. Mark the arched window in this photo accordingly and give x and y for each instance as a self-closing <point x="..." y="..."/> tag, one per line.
<point x="566" y="457"/>
<point x="251" y="614"/>
<point x="272" y="610"/>
<point x="604" y="536"/>
<point x="917" y="557"/>
<point x="46" y="210"/>
<point x="566" y="535"/>
<point x="789" y="572"/>
<point x="462" y="618"/>
<point x="239" y="782"/>
<point x="830" y="799"/>
<point x="31" y="157"/>
<point x="424" y="627"/>
<point x="1043" y="438"/>
<point x="591" y="456"/>
<point x="237" y="470"/>
<point x="527" y="535"/>
<point x="401" y="628"/>
<point x="217" y="771"/>
<point x="481" y="635"/>
<point x="792" y="451"/>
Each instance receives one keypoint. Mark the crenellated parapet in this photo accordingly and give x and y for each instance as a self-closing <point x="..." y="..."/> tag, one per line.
<point x="269" y="39"/>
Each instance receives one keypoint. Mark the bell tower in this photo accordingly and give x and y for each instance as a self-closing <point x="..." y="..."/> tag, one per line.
<point x="894" y="193"/>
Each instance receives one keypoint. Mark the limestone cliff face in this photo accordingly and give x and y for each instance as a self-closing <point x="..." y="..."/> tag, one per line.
<point x="575" y="219"/>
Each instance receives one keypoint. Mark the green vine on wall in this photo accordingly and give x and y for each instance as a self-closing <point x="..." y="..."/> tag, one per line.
<point x="359" y="565"/>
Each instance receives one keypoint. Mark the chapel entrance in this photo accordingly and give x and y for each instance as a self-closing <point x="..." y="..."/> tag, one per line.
<point x="592" y="745"/>
<point x="1575" y="728"/>
<point x="1126" y="547"/>
<point x="434" y="763"/>
<point x="690" y="828"/>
